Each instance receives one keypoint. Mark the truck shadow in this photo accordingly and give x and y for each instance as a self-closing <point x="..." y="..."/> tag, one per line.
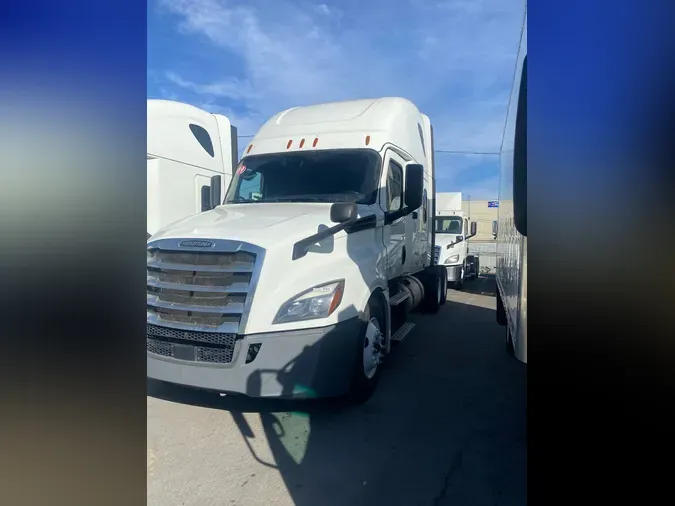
<point x="484" y="285"/>
<point x="446" y="425"/>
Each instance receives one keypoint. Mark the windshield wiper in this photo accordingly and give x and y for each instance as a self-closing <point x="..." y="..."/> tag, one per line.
<point x="241" y="201"/>
<point x="298" y="198"/>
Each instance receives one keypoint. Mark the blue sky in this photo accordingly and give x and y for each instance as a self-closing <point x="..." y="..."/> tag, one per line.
<point x="251" y="59"/>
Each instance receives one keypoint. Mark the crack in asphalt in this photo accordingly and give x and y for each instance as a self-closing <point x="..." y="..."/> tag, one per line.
<point x="455" y="466"/>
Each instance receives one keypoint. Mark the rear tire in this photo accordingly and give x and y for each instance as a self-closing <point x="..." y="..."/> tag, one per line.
<point x="458" y="285"/>
<point x="470" y="266"/>
<point x="366" y="373"/>
<point x="501" y="310"/>
<point x="435" y="281"/>
<point x="444" y="274"/>
<point x="509" y="343"/>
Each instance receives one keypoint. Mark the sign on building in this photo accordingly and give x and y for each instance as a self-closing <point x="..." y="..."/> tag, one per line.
<point x="493" y="203"/>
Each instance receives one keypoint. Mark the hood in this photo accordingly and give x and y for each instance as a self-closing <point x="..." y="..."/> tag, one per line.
<point x="444" y="239"/>
<point x="253" y="223"/>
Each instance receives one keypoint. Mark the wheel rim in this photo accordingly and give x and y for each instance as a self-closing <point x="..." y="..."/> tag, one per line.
<point x="372" y="348"/>
<point x="439" y="295"/>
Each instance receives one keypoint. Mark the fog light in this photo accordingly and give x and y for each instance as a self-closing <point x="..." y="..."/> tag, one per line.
<point x="253" y="351"/>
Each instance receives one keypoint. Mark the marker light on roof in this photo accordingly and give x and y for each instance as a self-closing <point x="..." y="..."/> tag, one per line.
<point x="315" y="142"/>
<point x="289" y="144"/>
<point x="250" y="146"/>
<point x="367" y="139"/>
<point x="302" y="142"/>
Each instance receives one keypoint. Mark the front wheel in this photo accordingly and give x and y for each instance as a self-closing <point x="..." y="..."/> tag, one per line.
<point x="366" y="373"/>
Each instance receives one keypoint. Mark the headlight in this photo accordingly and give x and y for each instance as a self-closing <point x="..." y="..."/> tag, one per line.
<point x="317" y="302"/>
<point x="452" y="259"/>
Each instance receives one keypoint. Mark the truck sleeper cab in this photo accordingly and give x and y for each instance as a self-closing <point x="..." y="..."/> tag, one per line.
<point x="299" y="283"/>
<point x="191" y="156"/>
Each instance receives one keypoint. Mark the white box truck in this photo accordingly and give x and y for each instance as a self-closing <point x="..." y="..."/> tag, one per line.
<point x="453" y="231"/>
<point x="512" y="221"/>
<point x="299" y="283"/>
<point x="191" y="156"/>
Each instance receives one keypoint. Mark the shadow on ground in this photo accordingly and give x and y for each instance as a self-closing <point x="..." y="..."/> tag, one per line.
<point x="447" y="424"/>
<point x="484" y="285"/>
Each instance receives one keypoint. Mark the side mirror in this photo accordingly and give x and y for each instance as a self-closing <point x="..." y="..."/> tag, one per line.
<point x="414" y="186"/>
<point x="340" y="212"/>
<point x="494" y="228"/>
<point x="474" y="228"/>
<point x="216" y="188"/>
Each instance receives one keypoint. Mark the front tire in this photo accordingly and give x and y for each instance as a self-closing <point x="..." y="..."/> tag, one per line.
<point x="367" y="363"/>
<point x="458" y="285"/>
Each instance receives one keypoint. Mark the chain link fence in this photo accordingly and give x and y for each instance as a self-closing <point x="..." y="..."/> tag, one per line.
<point x="487" y="254"/>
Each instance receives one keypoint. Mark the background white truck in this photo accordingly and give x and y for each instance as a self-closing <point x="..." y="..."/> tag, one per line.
<point x="512" y="222"/>
<point x="191" y="156"/>
<point x="299" y="284"/>
<point x="453" y="231"/>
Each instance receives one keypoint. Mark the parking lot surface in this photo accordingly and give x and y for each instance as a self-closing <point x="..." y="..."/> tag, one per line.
<point x="447" y="425"/>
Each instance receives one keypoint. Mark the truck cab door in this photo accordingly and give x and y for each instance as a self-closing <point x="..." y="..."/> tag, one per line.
<point x="391" y="199"/>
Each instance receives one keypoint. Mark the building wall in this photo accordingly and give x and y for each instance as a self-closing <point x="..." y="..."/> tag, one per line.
<point x="483" y="244"/>
<point x="483" y="215"/>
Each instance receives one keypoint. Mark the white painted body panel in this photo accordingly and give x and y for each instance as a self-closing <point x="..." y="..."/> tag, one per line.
<point x="511" y="272"/>
<point x="448" y="201"/>
<point x="178" y="166"/>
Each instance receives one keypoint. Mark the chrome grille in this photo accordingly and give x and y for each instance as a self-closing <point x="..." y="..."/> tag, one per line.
<point x="196" y="301"/>
<point x="437" y="253"/>
<point x="201" y="289"/>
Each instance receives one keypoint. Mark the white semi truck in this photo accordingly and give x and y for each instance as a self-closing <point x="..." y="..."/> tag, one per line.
<point x="191" y="156"/>
<point x="512" y="222"/>
<point x="301" y="281"/>
<point x="453" y="231"/>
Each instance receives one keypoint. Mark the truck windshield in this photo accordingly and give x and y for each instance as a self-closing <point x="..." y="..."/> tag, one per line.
<point x="345" y="175"/>
<point x="448" y="225"/>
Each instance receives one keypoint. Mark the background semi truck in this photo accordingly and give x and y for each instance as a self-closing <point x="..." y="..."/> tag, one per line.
<point x="301" y="281"/>
<point x="191" y="156"/>
<point x="453" y="231"/>
<point x="512" y="222"/>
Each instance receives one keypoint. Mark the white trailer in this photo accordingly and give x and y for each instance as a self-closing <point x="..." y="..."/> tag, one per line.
<point x="191" y="156"/>
<point x="299" y="284"/>
<point x="453" y="231"/>
<point x="511" y="226"/>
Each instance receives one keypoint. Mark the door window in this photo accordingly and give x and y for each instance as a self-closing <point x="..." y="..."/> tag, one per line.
<point x="394" y="186"/>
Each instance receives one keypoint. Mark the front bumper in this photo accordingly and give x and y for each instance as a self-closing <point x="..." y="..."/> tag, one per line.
<point x="454" y="272"/>
<point x="293" y="364"/>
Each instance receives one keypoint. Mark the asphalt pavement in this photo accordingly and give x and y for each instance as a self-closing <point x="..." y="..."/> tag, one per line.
<point x="447" y="425"/>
